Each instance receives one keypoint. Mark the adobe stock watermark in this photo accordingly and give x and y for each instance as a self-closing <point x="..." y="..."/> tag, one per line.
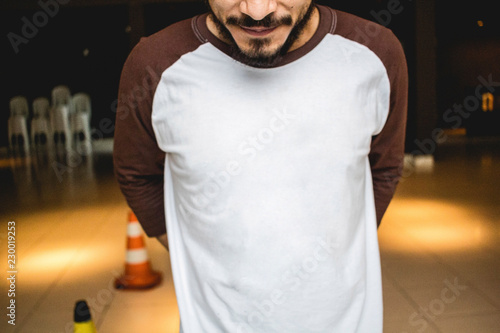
<point x="247" y="150"/>
<point x="11" y="272"/>
<point x="454" y="117"/>
<point x="382" y="17"/>
<point x="291" y="280"/>
<point x="437" y="306"/>
<point x="97" y="304"/>
<point x="122" y="108"/>
<point x="369" y="31"/>
<point x="31" y="27"/>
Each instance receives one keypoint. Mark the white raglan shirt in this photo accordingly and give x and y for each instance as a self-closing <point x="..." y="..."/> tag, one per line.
<point x="268" y="193"/>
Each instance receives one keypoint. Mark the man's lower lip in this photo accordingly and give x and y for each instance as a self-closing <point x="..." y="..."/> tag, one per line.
<point x="258" y="33"/>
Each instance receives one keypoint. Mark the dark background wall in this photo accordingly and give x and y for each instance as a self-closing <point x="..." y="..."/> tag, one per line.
<point x="468" y="54"/>
<point x="83" y="44"/>
<point x="81" y="47"/>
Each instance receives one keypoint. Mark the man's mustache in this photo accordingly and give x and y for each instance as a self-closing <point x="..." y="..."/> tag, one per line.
<point x="267" y="22"/>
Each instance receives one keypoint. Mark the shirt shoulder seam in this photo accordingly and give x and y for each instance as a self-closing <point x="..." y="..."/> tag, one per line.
<point x="197" y="31"/>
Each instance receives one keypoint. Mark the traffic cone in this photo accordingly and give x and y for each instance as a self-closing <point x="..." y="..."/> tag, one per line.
<point x="138" y="273"/>
<point x="82" y="320"/>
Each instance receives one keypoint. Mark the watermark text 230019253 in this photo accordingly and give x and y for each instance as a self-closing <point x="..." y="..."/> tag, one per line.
<point x="11" y="271"/>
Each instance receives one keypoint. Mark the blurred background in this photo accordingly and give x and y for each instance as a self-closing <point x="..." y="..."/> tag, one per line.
<point x="83" y="44"/>
<point x="443" y="226"/>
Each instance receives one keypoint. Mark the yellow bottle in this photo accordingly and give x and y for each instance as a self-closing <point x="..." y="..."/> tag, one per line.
<point x="82" y="320"/>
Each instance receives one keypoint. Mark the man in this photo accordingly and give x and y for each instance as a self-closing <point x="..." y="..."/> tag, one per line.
<point x="266" y="137"/>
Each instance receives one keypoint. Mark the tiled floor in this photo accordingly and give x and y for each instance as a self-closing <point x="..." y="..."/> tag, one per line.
<point x="440" y="245"/>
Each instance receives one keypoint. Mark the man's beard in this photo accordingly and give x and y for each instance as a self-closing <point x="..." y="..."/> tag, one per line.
<point x="256" y="57"/>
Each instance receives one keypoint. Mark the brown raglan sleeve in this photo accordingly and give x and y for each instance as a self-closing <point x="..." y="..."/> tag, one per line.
<point x="138" y="161"/>
<point x="387" y="148"/>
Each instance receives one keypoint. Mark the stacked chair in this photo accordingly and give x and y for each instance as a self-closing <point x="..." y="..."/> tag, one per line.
<point x="60" y="118"/>
<point x="17" y="125"/>
<point x="81" y="123"/>
<point x="59" y="125"/>
<point x="41" y="134"/>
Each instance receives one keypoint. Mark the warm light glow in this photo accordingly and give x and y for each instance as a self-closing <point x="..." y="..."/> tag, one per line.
<point x="444" y="236"/>
<point x="487" y="161"/>
<point x="480" y="23"/>
<point x="488" y="101"/>
<point x="40" y="268"/>
<point x="50" y="260"/>
<point x="15" y="162"/>
<point x="414" y="224"/>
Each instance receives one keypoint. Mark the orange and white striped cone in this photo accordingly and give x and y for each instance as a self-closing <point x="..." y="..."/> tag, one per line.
<point x="138" y="273"/>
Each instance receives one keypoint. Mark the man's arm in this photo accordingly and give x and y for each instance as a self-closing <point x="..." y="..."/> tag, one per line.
<point x="138" y="161"/>
<point x="387" y="148"/>
<point x="163" y="240"/>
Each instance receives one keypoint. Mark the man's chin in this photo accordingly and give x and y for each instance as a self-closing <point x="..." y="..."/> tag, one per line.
<point x="254" y="54"/>
<point x="257" y="59"/>
<point x="259" y="52"/>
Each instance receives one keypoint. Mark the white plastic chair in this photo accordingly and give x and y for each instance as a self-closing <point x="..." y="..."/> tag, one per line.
<point x="82" y="103"/>
<point x="19" y="106"/>
<point x="60" y="117"/>
<point x="41" y="134"/>
<point x="81" y="122"/>
<point x="61" y="95"/>
<point x="17" y="128"/>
